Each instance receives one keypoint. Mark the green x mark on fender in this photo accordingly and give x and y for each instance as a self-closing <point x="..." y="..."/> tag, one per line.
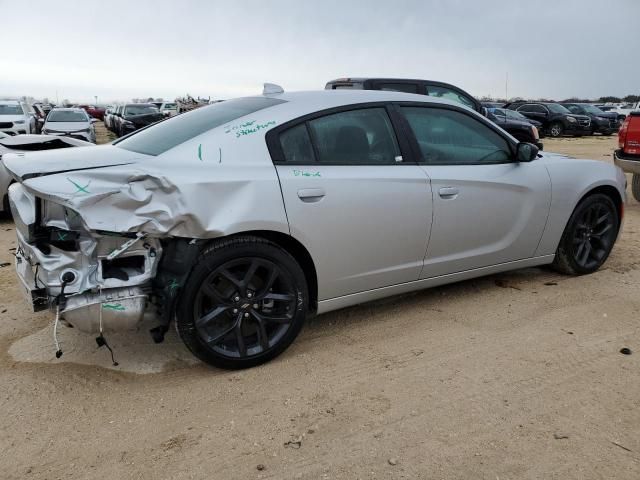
<point x="200" y="152"/>
<point x="173" y="284"/>
<point x="113" y="306"/>
<point x="80" y="188"/>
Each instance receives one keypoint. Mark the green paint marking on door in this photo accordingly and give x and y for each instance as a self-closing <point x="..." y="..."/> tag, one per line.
<point x="114" y="306"/>
<point x="304" y="173"/>
<point x="200" y="152"/>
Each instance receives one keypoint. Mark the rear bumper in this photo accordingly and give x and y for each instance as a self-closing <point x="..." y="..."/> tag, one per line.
<point x="628" y="163"/>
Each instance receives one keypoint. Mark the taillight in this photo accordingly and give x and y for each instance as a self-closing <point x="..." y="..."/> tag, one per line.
<point x="622" y="133"/>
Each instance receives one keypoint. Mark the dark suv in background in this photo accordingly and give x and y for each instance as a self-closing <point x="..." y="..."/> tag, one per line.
<point x="421" y="87"/>
<point x="520" y="127"/>
<point x="133" y="116"/>
<point x="602" y="122"/>
<point x="556" y="120"/>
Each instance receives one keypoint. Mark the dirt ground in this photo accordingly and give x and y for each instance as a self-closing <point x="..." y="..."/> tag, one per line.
<point x="513" y="376"/>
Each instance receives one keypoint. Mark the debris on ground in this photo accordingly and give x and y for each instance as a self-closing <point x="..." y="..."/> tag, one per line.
<point x="393" y="461"/>
<point x="4" y="264"/>
<point x="622" y="446"/>
<point x="550" y="284"/>
<point x="560" y="436"/>
<point x="295" y="442"/>
<point x="260" y="467"/>
<point x="625" y="351"/>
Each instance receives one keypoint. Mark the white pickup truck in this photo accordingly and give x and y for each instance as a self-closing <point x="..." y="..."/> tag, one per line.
<point x="626" y="109"/>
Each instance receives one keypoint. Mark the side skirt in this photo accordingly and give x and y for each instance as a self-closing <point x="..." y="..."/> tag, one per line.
<point x="336" y="303"/>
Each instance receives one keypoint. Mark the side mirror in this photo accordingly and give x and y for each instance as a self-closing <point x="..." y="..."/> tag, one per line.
<point x="526" y="152"/>
<point x="94" y="120"/>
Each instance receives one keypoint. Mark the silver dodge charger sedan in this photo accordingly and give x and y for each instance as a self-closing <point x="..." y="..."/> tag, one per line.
<point x="238" y="220"/>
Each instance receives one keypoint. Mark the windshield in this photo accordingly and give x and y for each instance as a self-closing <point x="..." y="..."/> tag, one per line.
<point x="555" y="108"/>
<point x="140" y="109"/>
<point x="592" y="109"/>
<point x="504" y="112"/>
<point x="169" y="105"/>
<point x="178" y="129"/>
<point x="67" y="116"/>
<point x="11" y="110"/>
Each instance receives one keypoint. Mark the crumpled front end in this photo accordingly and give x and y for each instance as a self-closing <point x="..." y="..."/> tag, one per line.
<point x="99" y="281"/>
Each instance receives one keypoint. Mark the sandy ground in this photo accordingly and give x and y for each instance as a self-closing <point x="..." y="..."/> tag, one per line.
<point x="513" y="376"/>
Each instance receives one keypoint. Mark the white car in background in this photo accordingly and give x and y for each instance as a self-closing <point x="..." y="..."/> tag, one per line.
<point x="15" y="118"/>
<point x="169" y="109"/>
<point x="28" y="143"/>
<point x="71" y="122"/>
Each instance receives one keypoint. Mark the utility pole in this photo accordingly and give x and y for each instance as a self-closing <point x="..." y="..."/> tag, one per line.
<point x="96" y="97"/>
<point x="506" y="87"/>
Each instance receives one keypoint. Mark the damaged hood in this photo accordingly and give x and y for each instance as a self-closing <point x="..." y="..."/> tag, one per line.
<point x="23" y="166"/>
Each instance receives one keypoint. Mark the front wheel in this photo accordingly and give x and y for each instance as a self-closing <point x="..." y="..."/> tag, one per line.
<point x="588" y="237"/>
<point x="635" y="186"/>
<point x="556" y="129"/>
<point x="243" y="304"/>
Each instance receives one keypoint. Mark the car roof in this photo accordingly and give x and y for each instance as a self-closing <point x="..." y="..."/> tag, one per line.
<point x="348" y="96"/>
<point x="10" y="102"/>
<point x="138" y="104"/>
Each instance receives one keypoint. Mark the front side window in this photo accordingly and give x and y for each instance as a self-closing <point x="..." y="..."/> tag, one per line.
<point x="443" y="92"/>
<point x="363" y="136"/>
<point x="67" y="116"/>
<point x="454" y="138"/>
<point x="555" y="108"/>
<point x="532" y="108"/>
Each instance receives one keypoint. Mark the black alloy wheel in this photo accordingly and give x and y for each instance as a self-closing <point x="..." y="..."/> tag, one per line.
<point x="243" y="304"/>
<point x="589" y="236"/>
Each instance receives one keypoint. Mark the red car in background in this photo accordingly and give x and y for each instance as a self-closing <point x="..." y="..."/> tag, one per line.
<point x="627" y="157"/>
<point x="93" y="111"/>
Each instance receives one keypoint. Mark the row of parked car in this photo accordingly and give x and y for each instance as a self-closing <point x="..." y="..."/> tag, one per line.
<point x="129" y="117"/>
<point x="20" y="118"/>
<point x="517" y="118"/>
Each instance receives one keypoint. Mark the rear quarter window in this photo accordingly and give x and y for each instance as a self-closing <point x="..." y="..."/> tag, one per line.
<point x="165" y="135"/>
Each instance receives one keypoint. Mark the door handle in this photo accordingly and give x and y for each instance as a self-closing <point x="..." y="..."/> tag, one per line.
<point x="311" y="194"/>
<point x="448" y="192"/>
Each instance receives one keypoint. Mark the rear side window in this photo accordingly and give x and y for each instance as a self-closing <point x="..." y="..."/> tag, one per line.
<point x="363" y="137"/>
<point x="296" y="145"/>
<point x="447" y="137"/>
<point x="178" y="129"/>
<point x="399" y="87"/>
<point x="449" y="94"/>
<point x="354" y="137"/>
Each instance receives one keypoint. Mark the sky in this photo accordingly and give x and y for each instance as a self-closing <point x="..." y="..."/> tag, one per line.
<point x="118" y="50"/>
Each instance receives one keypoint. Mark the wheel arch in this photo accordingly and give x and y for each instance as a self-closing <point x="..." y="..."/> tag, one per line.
<point x="611" y="192"/>
<point x="300" y="253"/>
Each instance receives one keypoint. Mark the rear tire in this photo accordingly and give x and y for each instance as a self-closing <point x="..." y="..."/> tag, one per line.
<point x="244" y="303"/>
<point x="588" y="237"/>
<point x="635" y="186"/>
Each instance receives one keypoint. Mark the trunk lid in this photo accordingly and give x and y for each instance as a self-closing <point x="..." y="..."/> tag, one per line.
<point x="23" y="166"/>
